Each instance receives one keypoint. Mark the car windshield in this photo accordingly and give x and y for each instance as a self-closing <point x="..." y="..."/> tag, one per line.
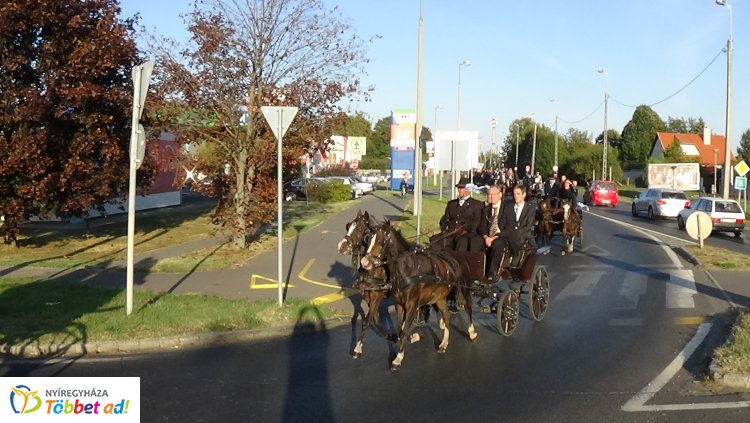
<point x="727" y="207"/>
<point x="609" y="186"/>
<point x="674" y="195"/>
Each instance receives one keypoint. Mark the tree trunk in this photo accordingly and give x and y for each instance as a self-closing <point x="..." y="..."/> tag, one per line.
<point x="240" y="237"/>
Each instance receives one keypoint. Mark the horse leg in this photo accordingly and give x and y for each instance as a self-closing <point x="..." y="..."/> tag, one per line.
<point x="400" y="344"/>
<point x="467" y="308"/>
<point x="365" y="325"/>
<point x="442" y="305"/>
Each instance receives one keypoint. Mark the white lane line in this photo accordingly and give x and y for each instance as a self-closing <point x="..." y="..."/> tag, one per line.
<point x="681" y="289"/>
<point x="637" y="402"/>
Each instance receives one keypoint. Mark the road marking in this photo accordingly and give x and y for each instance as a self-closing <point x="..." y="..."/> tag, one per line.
<point x="637" y="402"/>
<point x="582" y="286"/>
<point x="632" y="289"/>
<point x="681" y="289"/>
<point x="689" y="320"/>
<point x="255" y="285"/>
<point x="342" y="293"/>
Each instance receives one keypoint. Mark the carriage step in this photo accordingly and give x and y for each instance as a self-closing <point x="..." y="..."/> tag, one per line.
<point x="543" y="250"/>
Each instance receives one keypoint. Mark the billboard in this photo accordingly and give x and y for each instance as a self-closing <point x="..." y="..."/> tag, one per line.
<point x="682" y="176"/>
<point x="466" y="155"/>
<point x="403" y="129"/>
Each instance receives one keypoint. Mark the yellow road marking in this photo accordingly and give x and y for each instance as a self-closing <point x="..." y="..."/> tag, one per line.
<point x="689" y="320"/>
<point x="329" y="298"/>
<point x="325" y="299"/>
<point x="256" y="285"/>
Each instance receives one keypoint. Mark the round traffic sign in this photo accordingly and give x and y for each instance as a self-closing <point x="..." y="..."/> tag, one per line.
<point x="699" y="226"/>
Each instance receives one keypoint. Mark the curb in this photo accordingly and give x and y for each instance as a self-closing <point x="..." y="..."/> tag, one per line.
<point x="81" y="348"/>
<point x="687" y="255"/>
<point x="729" y="379"/>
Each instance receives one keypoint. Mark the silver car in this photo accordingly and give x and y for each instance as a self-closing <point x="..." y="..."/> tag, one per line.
<point x="659" y="202"/>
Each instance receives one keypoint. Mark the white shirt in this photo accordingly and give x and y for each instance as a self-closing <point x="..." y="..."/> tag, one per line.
<point x="518" y="209"/>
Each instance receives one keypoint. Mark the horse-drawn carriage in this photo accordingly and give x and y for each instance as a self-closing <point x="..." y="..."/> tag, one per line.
<point x="417" y="277"/>
<point x="519" y="274"/>
<point x="563" y="216"/>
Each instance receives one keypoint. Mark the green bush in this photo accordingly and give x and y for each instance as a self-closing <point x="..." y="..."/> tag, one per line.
<point x="330" y="192"/>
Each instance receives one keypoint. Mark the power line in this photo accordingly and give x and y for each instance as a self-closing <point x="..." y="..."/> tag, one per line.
<point x="681" y="89"/>
<point x="587" y="116"/>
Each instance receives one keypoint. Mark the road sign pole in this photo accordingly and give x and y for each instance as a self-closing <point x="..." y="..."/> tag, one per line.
<point x="279" y="122"/>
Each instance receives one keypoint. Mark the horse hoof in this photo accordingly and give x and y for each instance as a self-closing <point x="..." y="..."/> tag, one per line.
<point x="415" y="338"/>
<point x="473" y="338"/>
<point x="562" y="253"/>
<point x="356" y="355"/>
<point x="395" y="367"/>
<point x="441" y="350"/>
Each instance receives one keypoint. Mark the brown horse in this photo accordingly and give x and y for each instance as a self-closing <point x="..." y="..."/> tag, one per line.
<point x="418" y="278"/>
<point x="373" y="283"/>
<point x="571" y="226"/>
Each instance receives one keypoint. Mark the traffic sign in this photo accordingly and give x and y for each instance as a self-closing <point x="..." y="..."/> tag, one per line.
<point x="742" y="168"/>
<point x="279" y="118"/>
<point x="740" y="182"/>
<point x="354" y="164"/>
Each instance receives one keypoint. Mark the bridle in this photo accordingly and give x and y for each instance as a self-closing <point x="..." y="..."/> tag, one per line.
<point x="379" y="259"/>
<point x="366" y="232"/>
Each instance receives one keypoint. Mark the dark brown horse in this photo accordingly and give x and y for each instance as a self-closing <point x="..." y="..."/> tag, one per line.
<point x="571" y="226"/>
<point x="372" y="284"/>
<point x="419" y="278"/>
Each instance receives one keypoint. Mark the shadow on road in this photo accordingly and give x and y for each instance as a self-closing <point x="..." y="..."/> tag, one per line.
<point x="308" y="398"/>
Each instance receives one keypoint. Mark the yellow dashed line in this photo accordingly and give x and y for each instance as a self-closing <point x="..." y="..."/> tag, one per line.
<point x="325" y="299"/>
<point x="329" y="298"/>
<point x="689" y="320"/>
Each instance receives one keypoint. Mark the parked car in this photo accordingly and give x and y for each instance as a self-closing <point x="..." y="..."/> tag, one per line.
<point x="659" y="202"/>
<point x="296" y="189"/>
<point x="372" y="178"/>
<point x="601" y="193"/>
<point x="358" y="188"/>
<point x="367" y="187"/>
<point x="726" y="215"/>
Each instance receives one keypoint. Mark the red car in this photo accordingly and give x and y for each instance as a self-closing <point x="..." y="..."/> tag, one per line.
<point x="601" y="193"/>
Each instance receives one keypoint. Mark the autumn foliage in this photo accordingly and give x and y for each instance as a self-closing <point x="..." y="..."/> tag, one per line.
<point x="65" y="100"/>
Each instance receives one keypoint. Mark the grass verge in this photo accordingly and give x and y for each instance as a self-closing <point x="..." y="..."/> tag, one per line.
<point x="719" y="258"/>
<point x="40" y="311"/>
<point x="735" y="355"/>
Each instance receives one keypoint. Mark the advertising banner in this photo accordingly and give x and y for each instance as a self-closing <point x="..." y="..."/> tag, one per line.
<point x="682" y="176"/>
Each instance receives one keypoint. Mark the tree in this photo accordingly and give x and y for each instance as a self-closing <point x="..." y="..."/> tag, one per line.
<point x="743" y="151"/>
<point x="65" y="107"/>
<point x="685" y="126"/>
<point x="638" y="136"/>
<point x="674" y="153"/>
<point x="245" y="54"/>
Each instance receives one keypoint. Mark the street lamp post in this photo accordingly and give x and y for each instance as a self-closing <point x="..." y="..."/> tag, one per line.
<point x="518" y="131"/>
<point x="552" y="101"/>
<point x="434" y="148"/>
<point x="714" y="188"/>
<point x="494" y="145"/>
<point x="604" y="141"/>
<point x="727" y="165"/>
<point x="458" y="128"/>
<point x="533" y="152"/>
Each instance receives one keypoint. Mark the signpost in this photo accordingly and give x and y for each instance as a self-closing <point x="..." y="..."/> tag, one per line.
<point x="279" y="118"/>
<point x="699" y="226"/>
<point x="141" y="79"/>
<point x="742" y="168"/>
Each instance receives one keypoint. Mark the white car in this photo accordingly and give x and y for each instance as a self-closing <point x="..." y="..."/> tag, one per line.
<point x="366" y="187"/>
<point x="659" y="202"/>
<point x="726" y="215"/>
<point x="358" y="188"/>
<point x="372" y="178"/>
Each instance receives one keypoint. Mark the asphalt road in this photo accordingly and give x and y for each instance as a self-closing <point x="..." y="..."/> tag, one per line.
<point x="623" y="309"/>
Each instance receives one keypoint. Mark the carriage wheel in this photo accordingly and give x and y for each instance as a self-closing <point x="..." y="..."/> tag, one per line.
<point x="539" y="293"/>
<point x="507" y="313"/>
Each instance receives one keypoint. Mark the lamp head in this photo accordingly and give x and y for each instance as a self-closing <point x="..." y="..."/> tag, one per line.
<point x="601" y="70"/>
<point x="721" y="2"/>
<point x="465" y="63"/>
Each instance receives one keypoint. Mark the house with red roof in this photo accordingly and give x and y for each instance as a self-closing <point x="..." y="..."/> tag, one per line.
<point x="707" y="148"/>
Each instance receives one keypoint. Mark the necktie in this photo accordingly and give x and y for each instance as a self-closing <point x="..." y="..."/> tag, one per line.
<point x="494" y="229"/>
<point x="460" y="202"/>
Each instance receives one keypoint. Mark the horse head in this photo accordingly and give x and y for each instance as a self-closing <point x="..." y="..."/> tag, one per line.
<point x="357" y="232"/>
<point x="386" y="244"/>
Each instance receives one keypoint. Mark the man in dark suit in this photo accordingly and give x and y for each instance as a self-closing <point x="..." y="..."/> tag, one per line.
<point x="516" y="227"/>
<point x="460" y="222"/>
